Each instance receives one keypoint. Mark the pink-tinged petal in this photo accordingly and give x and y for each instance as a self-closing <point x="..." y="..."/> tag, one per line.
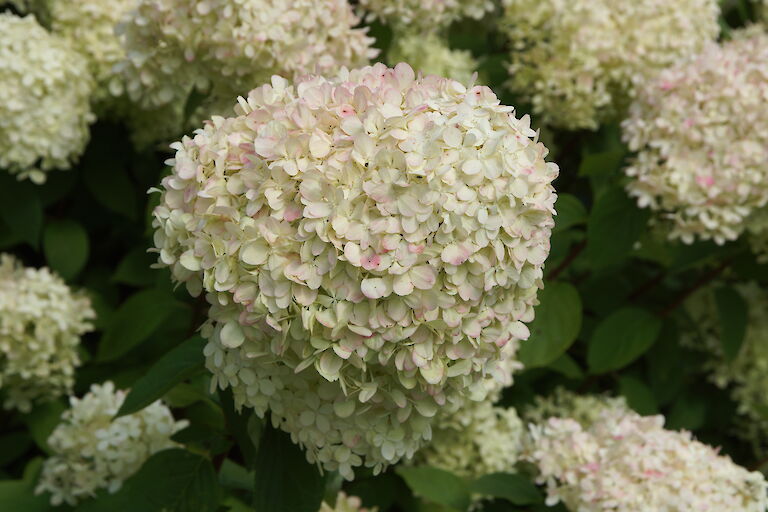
<point x="455" y="254"/>
<point x="403" y="285"/>
<point x="319" y="145"/>
<point x="423" y="276"/>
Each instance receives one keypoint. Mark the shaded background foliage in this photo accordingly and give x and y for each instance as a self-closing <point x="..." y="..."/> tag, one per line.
<point x="609" y="320"/>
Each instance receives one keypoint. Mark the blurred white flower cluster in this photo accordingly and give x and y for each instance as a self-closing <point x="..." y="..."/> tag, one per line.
<point x="425" y="15"/>
<point x="41" y="321"/>
<point x="747" y="372"/>
<point x="477" y="440"/>
<point x="93" y="451"/>
<point x="372" y="246"/>
<point x="45" y="109"/>
<point x="631" y="463"/>
<point x="562" y="403"/>
<point x="346" y="503"/>
<point x="226" y="47"/>
<point x="701" y="133"/>
<point x="89" y="27"/>
<point x="579" y="61"/>
<point x="430" y="54"/>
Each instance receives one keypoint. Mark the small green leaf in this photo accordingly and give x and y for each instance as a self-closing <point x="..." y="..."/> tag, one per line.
<point x="615" y="224"/>
<point x="509" y="486"/>
<point x="21" y="209"/>
<point x="732" y="311"/>
<point x="621" y="338"/>
<point x="134" y="269"/>
<point x="42" y="420"/>
<point x="639" y="396"/>
<point x="555" y="327"/>
<point x="19" y="495"/>
<point x="565" y="365"/>
<point x="172" y="480"/>
<point x="602" y="163"/>
<point x="570" y="212"/>
<point x="285" y="481"/>
<point x="688" y="412"/>
<point x="108" y="181"/>
<point x="436" y="485"/>
<point x="179" y="364"/>
<point x="134" y="322"/>
<point x="65" y="244"/>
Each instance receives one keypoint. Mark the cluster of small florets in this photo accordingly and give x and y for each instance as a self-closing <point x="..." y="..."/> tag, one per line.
<point x="747" y="373"/>
<point x="45" y="110"/>
<point x="93" y="451"/>
<point x="477" y="440"/>
<point x="371" y="245"/>
<point x="41" y="321"/>
<point x="701" y="133"/>
<point x="579" y="61"/>
<point x="562" y="403"/>
<point x="346" y="503"/>
<point x="426" y="14"/>
<point x="430" y="54"/>
<point x="631" y="463"/>
<point x="90" y="28"/>
<point x="226" y="47"/>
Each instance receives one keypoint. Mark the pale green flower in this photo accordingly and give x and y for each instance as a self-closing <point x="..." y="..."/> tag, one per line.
<point x="430" y="54"/>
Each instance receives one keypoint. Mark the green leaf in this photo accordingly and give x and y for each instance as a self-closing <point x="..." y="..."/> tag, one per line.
<point x="509" y="486"/>
<point x="565" y="365"/>
<point x="621" y="338"/>
<point x="732" y="311"/>
<point x="172" y="480"/>
<point x="21" y="209"/>
<point x="19" y="495"/>
<point x="13" y="445"/>
<point x="555" y="327"/>
<point x="688" y="412"/>
<point x="237" y="425"/>
<point x="639" y="396"/>
<point x="65" y="244"/>
<point x="108" y="181"/>
<point x="42" y="420"/>
<point x="436" y="485"/>
<point x="285" y="481"/>
<point x="134" y="269"/>
<point x="179" y="364"/>
<point x="570" y="212"/>
<point x="134" y="322"/>
<point x="602" y="163"/>
<point x="615" y="224"/>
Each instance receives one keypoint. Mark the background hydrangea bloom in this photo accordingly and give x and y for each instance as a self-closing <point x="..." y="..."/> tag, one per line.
<point x="701" y="133"/>
<point x="747" y="373"/>
<point x="430" y="54"/>
<point x="631" y="463"/>
<point x="41" y="321"/>
<point x="93" y="451"/>
<point x="45" y="111"/>
<point x="426" y="14"/>
<point x="477" y="440"/>
<point x="584" y="409"/>
<point x="225" y="47"/>
<point x="371" y="246"/>
<point x="346" y="503"/>
<point x="579" y="61"/>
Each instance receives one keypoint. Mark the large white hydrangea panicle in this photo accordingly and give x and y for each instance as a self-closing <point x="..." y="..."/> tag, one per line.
<point x="747" y="373"/>
<point x="477" y="440"/>
<point x="585" y="409"/>
<point x="346" y="503"/>
<point x="630" y="463"/>
<point x="371" y="245"/>
<point x="430" y="54"/>
<point x="579" y="61"/>
<point x="226" y="47"/>
<point x="700" y="130"/>
<point x="93" y="451"/>
<point x="41" y="321"/>
<point x="45" y="88"/>
<point x="426" y="14"/>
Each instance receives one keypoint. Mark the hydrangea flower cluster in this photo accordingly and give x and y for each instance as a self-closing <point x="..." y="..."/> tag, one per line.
<point x="584" y="409"/>
<point x="477" y="440"/>
<point x="41" y="321"/>
<point x="93" y="451"/>
<point x="701" y="133"/>
<point x="747" y="373"/>
<point x="228" y="46"/>
<point x="426" y="14"/>
<point x="631" y="463"/>
<point x="430" y="54"/>
<point x="45" y="111"/>
<point x="371" y="245"/>
<point x="576" y="79"/>
<point x="346" y="503"/>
